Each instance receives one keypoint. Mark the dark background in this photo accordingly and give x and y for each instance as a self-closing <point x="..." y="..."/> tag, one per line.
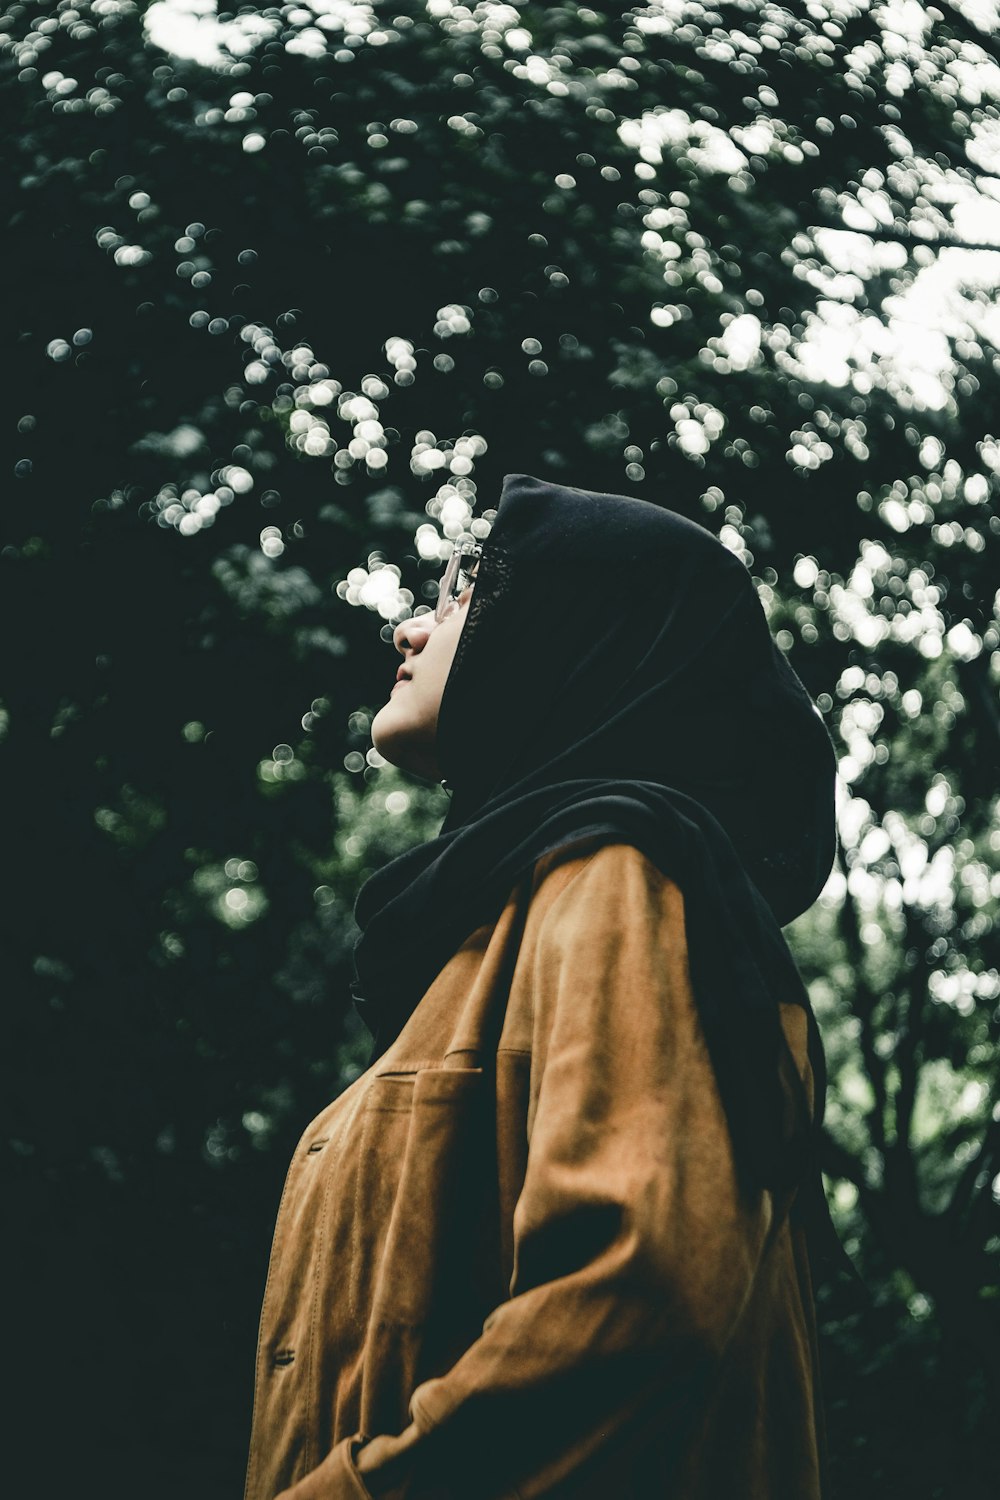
<point x="435" y="215"/>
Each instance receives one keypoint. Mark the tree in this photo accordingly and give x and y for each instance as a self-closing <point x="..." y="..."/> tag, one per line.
<point x="347" y="266"/>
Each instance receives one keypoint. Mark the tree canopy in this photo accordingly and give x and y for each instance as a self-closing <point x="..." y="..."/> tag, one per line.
<point x="289" y="290"/>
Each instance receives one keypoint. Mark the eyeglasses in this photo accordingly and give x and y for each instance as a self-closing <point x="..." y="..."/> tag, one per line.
<point x="458" y="575"/>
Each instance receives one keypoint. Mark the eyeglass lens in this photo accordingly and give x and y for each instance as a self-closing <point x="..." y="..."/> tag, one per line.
<point x="457" y="577"/>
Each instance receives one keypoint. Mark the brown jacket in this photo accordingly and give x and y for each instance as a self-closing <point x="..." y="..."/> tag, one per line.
<point x="520" y="1237"/>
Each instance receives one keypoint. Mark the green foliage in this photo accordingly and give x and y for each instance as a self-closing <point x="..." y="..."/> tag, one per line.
<point x="284" y="311"/>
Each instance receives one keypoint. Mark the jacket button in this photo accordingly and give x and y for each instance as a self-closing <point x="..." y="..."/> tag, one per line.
<point x="281" y="1358"/>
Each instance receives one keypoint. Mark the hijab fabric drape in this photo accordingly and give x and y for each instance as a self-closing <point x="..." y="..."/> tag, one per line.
<point x="616" y="679"/>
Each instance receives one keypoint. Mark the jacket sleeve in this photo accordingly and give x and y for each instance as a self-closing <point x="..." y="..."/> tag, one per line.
<point x="635" y="1249"/>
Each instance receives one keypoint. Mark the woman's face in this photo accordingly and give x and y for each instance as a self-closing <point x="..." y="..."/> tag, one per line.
<point x="405" y="728"/>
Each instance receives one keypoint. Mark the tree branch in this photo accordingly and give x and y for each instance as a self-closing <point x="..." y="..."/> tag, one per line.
<point x="984" y="1159"/>
<point x="864" y="1007"/>
<point x="907" y="1062"/>
<point x="836" y="1161"/>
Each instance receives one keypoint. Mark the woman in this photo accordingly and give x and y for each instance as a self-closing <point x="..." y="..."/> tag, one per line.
<point x="553" y="1241"/>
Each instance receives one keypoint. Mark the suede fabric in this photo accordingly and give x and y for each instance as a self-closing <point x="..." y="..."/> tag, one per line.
<point x="518" y="1249"/>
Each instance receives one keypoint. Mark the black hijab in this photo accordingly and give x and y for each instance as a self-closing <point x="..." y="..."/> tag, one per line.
<point x="616" y="679"/>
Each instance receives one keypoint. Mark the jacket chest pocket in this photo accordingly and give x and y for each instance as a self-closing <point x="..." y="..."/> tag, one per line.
<point x="425" y="1170"/>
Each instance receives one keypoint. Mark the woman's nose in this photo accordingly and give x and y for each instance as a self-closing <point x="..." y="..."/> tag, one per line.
<point x="413" y="632"/>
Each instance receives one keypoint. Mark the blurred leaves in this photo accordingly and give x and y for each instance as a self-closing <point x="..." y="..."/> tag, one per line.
<point x="289" y="290"/>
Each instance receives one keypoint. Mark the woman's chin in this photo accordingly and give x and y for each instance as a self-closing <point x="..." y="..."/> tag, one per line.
<point x="392" y="735"/>
<point x="398" y="742"/>
<point x="384" y="728"/>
